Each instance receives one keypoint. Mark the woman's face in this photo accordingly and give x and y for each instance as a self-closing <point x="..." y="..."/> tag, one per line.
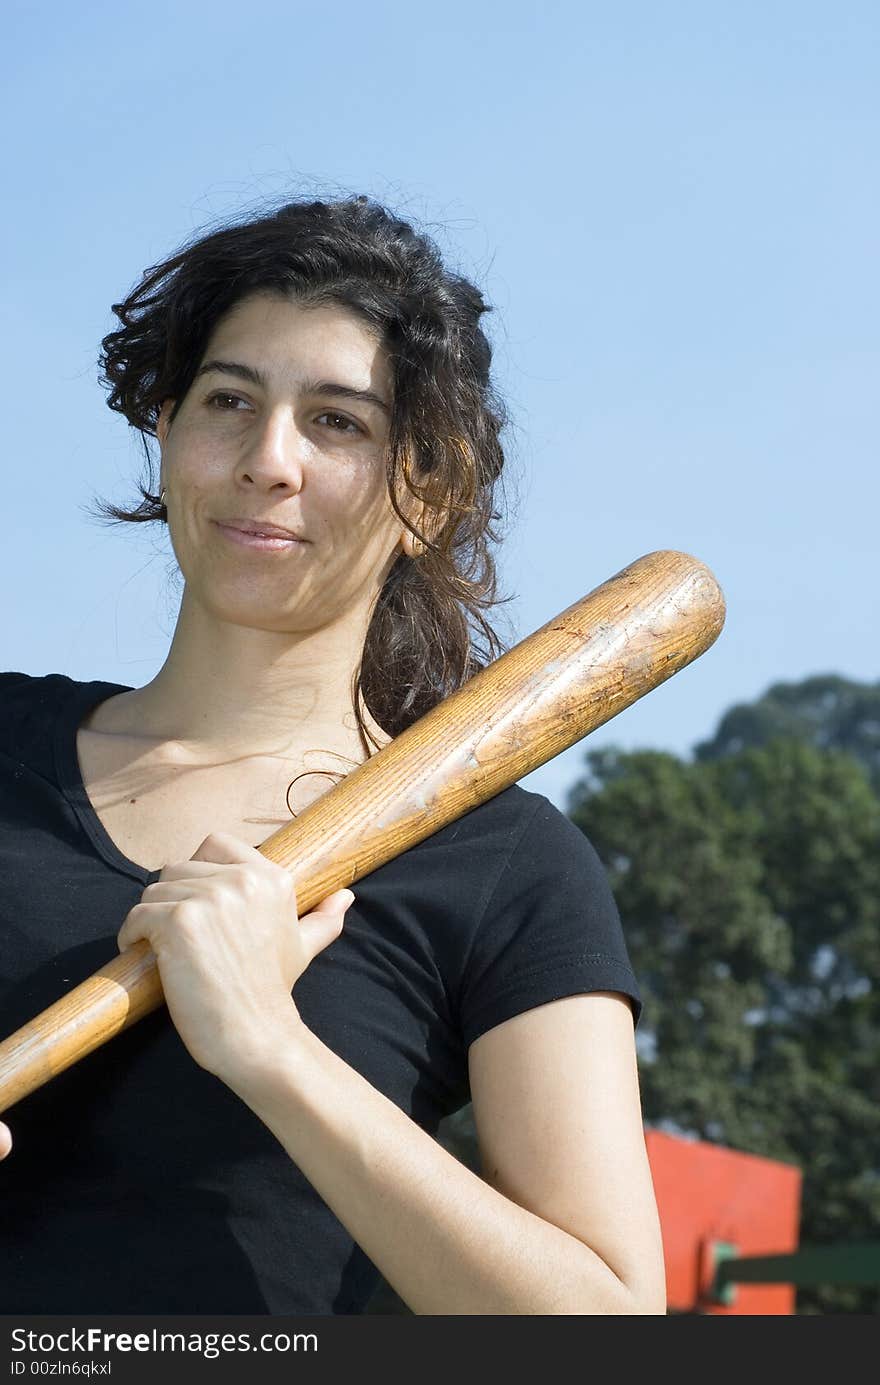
<point x="282" y="443"/>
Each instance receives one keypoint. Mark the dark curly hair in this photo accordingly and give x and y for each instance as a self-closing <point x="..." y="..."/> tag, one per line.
<point x="427" y="634"/>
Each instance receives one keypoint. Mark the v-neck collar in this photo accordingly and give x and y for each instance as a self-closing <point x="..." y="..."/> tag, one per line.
<point x="73" y="711"/>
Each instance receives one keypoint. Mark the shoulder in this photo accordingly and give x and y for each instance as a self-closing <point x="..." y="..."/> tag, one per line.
<point x="506" y="863"/>
<point x="499" y="858"/>
<point x="550" y="880"/>
<point x="509" y="860"/>
<point x="543" y="921"/>
<point x="20" y="691"/>
<point x="30" y="704"/>
<point x="501" y="825"/>
<point x="522" y="836"/>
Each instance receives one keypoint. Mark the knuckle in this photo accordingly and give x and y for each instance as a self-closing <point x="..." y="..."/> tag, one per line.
<point x="287" y="890"/>
<point x="131" y="920"/>
<point x="186" y="913"/>
<point x="284" y="885"/>
<point x="238" y="882"/>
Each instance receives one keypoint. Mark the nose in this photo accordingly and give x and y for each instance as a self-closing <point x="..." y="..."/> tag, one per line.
<point x="276" y="453"/>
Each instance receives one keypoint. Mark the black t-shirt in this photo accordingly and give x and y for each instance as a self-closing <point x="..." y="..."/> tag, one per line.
<point x="138" y="1182"/>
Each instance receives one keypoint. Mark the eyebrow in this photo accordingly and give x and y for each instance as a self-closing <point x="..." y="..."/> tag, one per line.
<point x="256" y="377"/>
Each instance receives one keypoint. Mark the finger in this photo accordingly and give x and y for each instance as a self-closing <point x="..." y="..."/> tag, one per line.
<point x="170" y="891"/>
<point x="224" y="848"/>
<point x="141" y="923"/>
<point x="323" y="924"/>
<point x="220" y="848"/>
<point x="332" y="903"/>
<point x="182" y="870"/>
<point x="5" y="1140"/>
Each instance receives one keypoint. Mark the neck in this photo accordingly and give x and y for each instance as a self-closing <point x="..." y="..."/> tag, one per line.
<point x="227" y="691"/>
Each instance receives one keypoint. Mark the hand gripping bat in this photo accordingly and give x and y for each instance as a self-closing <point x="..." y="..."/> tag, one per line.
<point x="575" y="673"/>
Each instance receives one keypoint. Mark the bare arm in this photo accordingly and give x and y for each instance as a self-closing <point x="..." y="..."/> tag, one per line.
<point x="566" y="1222"/>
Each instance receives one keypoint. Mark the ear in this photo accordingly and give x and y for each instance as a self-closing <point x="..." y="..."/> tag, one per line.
<point x="427" y="520"/>
<point x="162" y="422"/>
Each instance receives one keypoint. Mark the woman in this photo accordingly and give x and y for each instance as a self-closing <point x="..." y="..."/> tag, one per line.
<point x="316" y="375"/>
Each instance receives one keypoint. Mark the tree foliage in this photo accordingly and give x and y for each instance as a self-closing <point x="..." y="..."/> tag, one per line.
<point x="749" y="887"/>
<point x="826" y="711"/>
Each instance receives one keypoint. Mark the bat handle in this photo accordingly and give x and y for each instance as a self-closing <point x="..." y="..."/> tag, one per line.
<point x="114" y="997"/>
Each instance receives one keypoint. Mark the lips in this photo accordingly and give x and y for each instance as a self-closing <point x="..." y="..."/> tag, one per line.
<point x="262" y="530"/>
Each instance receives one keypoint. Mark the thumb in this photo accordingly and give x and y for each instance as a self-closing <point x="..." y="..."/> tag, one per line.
<point x="323" y="924"/>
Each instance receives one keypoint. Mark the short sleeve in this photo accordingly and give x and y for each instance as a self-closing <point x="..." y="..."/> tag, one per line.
<point x="551" y="928"/>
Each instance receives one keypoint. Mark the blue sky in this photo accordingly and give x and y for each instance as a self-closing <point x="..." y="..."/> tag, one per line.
<point x="672" y="209"/>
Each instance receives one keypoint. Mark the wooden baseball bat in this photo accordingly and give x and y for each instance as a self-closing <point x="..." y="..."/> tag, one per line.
<point x="575" y="673"/>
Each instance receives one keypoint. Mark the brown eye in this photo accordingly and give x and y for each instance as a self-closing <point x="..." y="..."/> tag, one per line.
<point x="212" y="401"/>
<point x="340" y="418"/>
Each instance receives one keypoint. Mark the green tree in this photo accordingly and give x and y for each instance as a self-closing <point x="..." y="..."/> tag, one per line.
<point x="826" y="711"/>
<point x="749" y="887"/>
